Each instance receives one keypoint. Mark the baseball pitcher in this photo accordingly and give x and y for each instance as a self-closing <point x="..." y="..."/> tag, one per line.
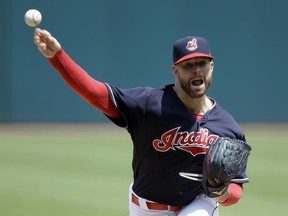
<point x="189" y="154"/>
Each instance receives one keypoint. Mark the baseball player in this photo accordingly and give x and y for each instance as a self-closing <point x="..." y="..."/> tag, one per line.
<point x="171" y="128"/>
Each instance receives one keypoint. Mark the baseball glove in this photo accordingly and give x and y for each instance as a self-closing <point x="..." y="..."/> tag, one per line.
<point x="224" y="160"/>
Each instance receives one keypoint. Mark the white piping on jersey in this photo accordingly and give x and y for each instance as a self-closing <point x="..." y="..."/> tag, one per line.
<point x="192" y="176"/>
<point x="198" y="177"/>
<point x="111" y="93"/>
<point x="213" y="101"/>
<point x="240" y="180"/>
<point x="114" y="101"/>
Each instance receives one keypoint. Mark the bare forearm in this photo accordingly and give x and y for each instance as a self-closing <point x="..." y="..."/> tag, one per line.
<point x="231" y="196"/>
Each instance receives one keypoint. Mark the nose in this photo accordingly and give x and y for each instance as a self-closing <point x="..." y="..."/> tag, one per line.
<point x="196" y="68"/>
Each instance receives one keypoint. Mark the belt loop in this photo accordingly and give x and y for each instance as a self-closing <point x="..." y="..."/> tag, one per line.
<point x="143" y="203"/>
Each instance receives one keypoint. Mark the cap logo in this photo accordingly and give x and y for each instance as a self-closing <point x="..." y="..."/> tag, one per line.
<point x="192" y="45"/>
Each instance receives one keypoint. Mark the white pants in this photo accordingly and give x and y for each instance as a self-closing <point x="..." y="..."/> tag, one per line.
<point x="201" y="206"/>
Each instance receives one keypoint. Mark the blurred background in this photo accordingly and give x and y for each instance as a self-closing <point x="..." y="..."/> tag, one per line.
<point x="53" y="160"/>
<point x="129" y="43"/>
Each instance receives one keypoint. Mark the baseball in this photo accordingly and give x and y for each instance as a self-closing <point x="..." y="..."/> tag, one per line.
<point x="33" y="17"/>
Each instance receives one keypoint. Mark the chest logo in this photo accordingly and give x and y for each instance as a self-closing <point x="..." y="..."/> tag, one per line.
<point x="194" y="142"/>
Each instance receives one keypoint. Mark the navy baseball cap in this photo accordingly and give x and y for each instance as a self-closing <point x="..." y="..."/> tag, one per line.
<point x="190" y="47"/>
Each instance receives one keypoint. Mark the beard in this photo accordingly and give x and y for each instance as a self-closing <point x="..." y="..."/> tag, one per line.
<point x="195" y="91"/>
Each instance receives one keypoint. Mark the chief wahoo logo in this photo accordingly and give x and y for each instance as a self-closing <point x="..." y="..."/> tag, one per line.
<point x="192" y="45"/>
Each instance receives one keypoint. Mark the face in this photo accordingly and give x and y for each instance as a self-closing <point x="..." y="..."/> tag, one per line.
<point x="194" y="76"/>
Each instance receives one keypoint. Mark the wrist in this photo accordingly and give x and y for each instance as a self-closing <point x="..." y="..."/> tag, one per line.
<point x="223" y="198"/>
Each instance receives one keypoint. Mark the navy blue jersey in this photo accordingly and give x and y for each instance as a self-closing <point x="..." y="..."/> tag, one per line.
<point x="168" y="140"/>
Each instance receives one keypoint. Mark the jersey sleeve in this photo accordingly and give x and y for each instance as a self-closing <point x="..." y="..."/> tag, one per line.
<point x="130" y="103"/>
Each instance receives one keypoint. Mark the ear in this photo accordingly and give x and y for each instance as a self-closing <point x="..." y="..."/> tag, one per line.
<point x="212" y="66"/>
<point x="174" y="69"/>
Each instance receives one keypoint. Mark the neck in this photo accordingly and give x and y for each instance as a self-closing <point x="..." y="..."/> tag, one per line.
<point x="199" y="105"/>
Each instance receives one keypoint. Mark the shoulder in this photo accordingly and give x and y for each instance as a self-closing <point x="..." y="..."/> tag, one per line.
<point x="137" y="92"/>
<point x="225" y="124"/>
<point x="134" y="103"/>
<point x="219" y="112"/>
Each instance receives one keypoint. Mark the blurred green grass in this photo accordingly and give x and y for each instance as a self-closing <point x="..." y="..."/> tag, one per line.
<point x="64" y="170"/>
<point x="85" y="169"/>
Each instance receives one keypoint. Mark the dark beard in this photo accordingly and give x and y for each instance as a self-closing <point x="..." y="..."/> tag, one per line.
<point x="195" y="94"/>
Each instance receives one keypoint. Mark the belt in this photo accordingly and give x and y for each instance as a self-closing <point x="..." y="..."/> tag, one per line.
<point x="156" y="206"/>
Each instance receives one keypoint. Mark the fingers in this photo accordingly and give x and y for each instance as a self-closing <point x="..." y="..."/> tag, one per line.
<point x="43" y="49"/>
<point x="41" y="36"/>
<point x="41" y="32"/>
<point x="214" y="182"/>
<point x="46" y="43"/>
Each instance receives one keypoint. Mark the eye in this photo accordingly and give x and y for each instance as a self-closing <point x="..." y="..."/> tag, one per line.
<point x="191" y="66"/>
<point x="188" y="66"/>
<point x="202" y="63"/>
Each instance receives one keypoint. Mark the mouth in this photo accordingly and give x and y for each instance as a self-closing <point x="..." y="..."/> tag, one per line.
<point x="197" y="82"/>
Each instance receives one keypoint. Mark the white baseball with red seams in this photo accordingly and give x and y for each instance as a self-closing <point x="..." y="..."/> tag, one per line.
<point x="33" y="17"/>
